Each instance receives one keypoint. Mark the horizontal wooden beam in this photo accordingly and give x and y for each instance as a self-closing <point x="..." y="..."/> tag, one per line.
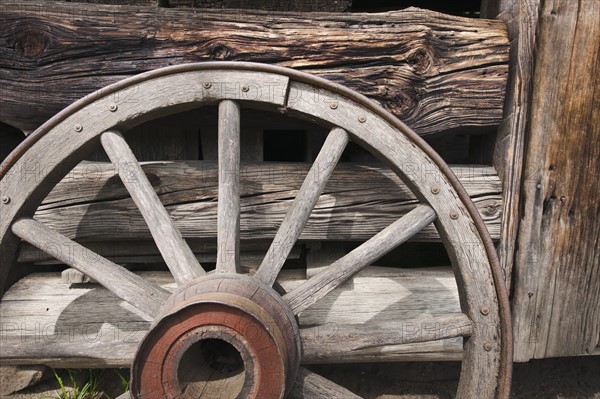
<point x="91" y="203"/>
<point x="433" y="71"/>
<point x="43" y="320"/>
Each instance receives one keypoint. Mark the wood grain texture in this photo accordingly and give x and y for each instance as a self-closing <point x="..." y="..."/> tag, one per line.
<point x="177" y="254"/>
<point x="312" y="385"/>
<point x="521" y="18"/>
<point x="557" y="271"/>
<point x="124" y="284"/>
<point x="91" y="203"/>
<point x="351" y="340"/>
<point x="44" y="321"/>
<point x="341" y="270"/>
<point x="302" y="206"/>
<point x="228" y="208"/>
<point x="433" y="71"/>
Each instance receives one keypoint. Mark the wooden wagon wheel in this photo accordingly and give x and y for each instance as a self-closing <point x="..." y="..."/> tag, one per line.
<point x="244" y="310"/>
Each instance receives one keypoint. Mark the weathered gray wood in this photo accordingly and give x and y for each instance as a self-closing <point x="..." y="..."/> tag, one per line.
<point x="470" y="248"/>
<point x="296" y="217"/>
<point x="433" y="71"/>
<point x="340" y="271"/>
<point x="349" y="341"/>
<point x="312" y="385"/>
<point x="44" y="321"/>
<point x="556" y="302"/>
<point x="74" y="276"/>
<point x="90" y="203"/>
<point x="146" y="252"/>
<point x="124" y="284"/>
<point x="177" y="254"/>
<point x="228" y="212"/>
<point x="521" y="18"/>
<point x="468" y="244"/>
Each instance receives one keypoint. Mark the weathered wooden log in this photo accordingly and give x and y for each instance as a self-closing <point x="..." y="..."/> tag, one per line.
<point x="44" y="321"/>
<point x="433" y="71"/>
<point x="92" y="204"/>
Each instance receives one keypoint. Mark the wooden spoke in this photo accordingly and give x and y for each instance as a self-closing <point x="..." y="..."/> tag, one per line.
<point x="351" y="339"/>
<point x="228" y="214"/>
<point x="131" y="288"/>
<point x="389" y="238"/>
<point x="177" y="254"/>
<point x="303" y="204"/>
<point x="313" y="386"/>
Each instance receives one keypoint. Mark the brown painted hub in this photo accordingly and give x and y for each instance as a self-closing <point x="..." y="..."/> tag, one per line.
<point x="224" y="336"/>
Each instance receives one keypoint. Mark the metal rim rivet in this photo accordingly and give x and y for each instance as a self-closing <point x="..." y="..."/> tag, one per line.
<point x="362" y="119"/>
<point x="453" y="215"/>
<point x="112" y="107"/>
<point x="485" y="310"/>
<point x="206" y="85"/>
<point x="488" y="346"/>
<point x="78" y="127"/>
<point x="435" y="190"/>
<point x="245" y="88"/>
<point x="5" y="199"/>
<point x="333" y="105"/>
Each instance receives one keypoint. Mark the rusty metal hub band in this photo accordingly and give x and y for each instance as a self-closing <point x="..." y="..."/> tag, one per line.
<point x="213" y="315"/>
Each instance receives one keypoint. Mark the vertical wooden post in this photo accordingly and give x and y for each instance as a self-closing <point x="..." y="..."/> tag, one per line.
<point x="556" y="302"/>
<point x="521" y="17"/>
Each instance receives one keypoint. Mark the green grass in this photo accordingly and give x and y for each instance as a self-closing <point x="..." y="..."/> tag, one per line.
<point x="87" y="390"/>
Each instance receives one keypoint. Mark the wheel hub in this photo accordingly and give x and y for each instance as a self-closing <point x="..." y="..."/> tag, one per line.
<point x="224" y="336"/>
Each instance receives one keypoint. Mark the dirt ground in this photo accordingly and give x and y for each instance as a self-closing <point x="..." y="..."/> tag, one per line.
<point x="568" y="378"/>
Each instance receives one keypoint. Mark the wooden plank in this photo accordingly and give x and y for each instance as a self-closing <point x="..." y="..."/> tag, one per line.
<point x="228" y="210"/>
<point x="521" y="18"/>
<point x="124" y="284"/>
<point x="312" y="385"/>
<point x="124" y="252"/>
<point x="337" y="273"/>
<point x="91" y="203"/>
<point x="433" y="71"/>
<point x="556" y="302"/>
<point x="351" y="340"/>
<point x="302" y="206"/>
<point x="177" y="254"/>
<point x="44" y="321"/>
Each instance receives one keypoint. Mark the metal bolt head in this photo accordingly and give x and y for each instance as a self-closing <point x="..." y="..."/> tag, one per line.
<point x="454" y="215"/>
<point x="78" y="127"/>
<point x="245" y="88"/>
<point x="435" y="190"/>
<point x="206" y="85"/>
<point x="491" y="209"/>
<point x="362" y="119"/>
<point x="484" y="310"/>
<point x="333" y="105"/>
<point x="112" y="107"/>
<point x="488" y="346"/>
<point x="5" y="199"/>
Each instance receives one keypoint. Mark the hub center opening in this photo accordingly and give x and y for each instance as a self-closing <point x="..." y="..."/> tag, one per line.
<point x="211" y="368"/>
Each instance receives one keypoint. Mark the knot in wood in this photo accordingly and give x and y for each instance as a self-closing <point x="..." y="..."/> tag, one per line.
<point x="420" y="60"/>
<point x="220" y="52"/>
<point x="31" y="43"/>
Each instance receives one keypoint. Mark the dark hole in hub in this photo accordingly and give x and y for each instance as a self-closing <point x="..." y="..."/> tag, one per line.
<point x="211" y="368"/>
